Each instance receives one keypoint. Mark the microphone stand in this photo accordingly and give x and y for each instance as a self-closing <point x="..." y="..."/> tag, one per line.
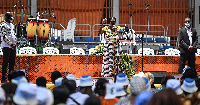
<point x="147" y="32"/>
<point x="131" y="15"/>
<point x="37" y="20"/>
<point x="142" y="52"/>
<point x="54" y="25"/>
<point x="142" y="49"/>
<point x="131" y="21"/>
<point x="13" y="9"/>
<point x="22" y="19"/>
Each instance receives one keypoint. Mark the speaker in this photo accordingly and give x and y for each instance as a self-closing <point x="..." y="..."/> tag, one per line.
<point x="158" y="75"/>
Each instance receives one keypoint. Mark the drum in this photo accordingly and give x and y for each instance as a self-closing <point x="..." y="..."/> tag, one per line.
<point x="31" y="25"/>
<point x="43" y="29"/>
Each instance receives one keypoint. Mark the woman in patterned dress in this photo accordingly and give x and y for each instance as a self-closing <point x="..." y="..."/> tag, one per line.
<point x="112" y="50"/>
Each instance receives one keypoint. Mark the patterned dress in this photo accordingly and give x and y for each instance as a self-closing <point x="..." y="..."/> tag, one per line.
<point x="112" y="52"/>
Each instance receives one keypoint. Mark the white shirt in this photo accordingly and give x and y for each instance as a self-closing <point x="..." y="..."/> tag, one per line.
<point x="189" y="32"/>
<point x="10" y="33"/>
<point x="79" y="97"/>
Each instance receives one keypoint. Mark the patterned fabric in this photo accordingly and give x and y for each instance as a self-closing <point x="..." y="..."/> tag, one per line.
<point x="8" y="34"/>
<point x="137" y="85"/>
<point x="112" y="52"/>
<point x="124" y="101"/>
<point x="109" y="32"/>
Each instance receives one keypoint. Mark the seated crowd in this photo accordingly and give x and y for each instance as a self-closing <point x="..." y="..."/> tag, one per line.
<point x="138" y="90"/>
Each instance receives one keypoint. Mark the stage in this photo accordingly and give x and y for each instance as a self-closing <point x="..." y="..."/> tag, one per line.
<point x="42" y="65"/>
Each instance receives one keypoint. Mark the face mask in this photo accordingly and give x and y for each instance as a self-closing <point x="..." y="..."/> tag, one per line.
<point x="11" y="19"/>
<point x="187" y="24"/>
<point x="113" y="22"/>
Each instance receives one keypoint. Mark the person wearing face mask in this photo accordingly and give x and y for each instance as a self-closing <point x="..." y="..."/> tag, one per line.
<point x="187" y="39"/>
<point x="8" y="45"/>
<point x="111" y="48"/>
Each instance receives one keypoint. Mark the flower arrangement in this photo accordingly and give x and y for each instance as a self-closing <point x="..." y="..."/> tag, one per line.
<point x="126" y="65"/>
<point x="98" y="50"/>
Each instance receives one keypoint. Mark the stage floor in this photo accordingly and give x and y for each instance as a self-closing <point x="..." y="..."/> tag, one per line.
<point x="42" y="65"/>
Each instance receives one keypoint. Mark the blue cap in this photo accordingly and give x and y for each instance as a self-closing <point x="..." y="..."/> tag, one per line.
<point x="122" y="78"/>
<point x="86" y="80"/>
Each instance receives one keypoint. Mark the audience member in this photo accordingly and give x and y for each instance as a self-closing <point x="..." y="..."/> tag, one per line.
<point x="175" y="85"/>
<point x="71" y="77"/>
<point x="120" y="90"/>
<point x="44" y="96"/>
<point x="12" y="74"/>
<point x="10" y="89"/>
<point x="147" y="84"/>
<point x="41" y="81"/>
<point x="61" y="93"/>
<point x="70" y="84"/>
<point x="189" y="86"/>
<point x="192" y="99"/>
<point x="189" y="73"/>
<point x="143" y="98"/>
<point x="165" y="97"/>
<point x="75" y="98"/>
<point x="123" y="79"/>
<point x="164" y="80"/>
<point x="100" y="91"/>
<point x="25" y="94"/>
<point x="93" y="100"/>
<point x="137" y="85"/>
<point x="19" y="80"/>
<point x="2" y="96"/>
<point x="58" y="81"/>
<point x="55" y="75"/>
<point x="198" y="83"/>
<point x="150" y="76"/>
<point x="86" y="85"/>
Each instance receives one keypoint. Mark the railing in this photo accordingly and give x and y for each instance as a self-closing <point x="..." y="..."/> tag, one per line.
<point x="90" y="30"/>
<point x="93" y="28"/>
<point x="173" y="36"/>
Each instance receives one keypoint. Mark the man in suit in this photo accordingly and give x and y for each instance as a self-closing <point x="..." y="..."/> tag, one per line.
<point x="187" y="39"/>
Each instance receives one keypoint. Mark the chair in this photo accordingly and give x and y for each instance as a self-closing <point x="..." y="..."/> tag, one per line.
<point x="53" y="39"/>
<point x="146" y="51"/>
<point x="69" y="32"/>
<point x="88" y="39"/>
<point x="161" y="40"/>
<point x="148" y="39"/>
<point x="77" y="51"/>
<point x="77" y="39"/>
<point x="165" y="47"/>
<point x="91" y="46"/>
<point x="97" y="39"/>
<point x="138" y="40"/>
<point x="50" y="50"/>
<point x="27" y="50"/>
<point x="172" y="51"/>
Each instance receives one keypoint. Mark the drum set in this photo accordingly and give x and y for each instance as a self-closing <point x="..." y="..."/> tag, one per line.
<point x="34" y="33"/>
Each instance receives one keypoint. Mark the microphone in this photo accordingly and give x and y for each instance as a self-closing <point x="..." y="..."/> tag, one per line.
<point x="44" y="12"/>
<point x="147" y="4"/>
<point x="15" y="5"/>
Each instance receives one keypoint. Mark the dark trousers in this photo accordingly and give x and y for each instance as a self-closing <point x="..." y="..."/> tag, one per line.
<point x="9" y="56"/>
<point x="190" y="56"/>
